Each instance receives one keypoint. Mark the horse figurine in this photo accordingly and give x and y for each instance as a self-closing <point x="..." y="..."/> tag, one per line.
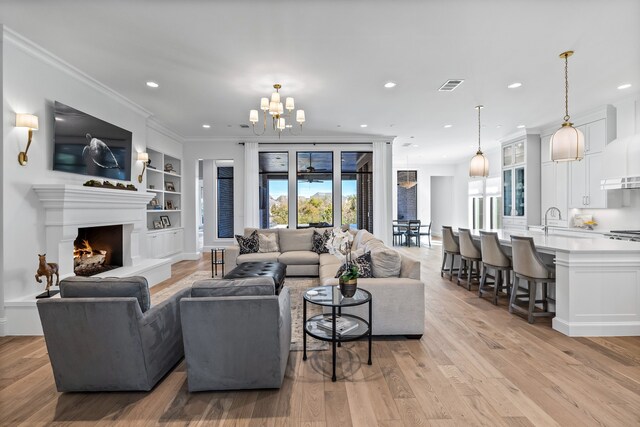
<point x="47" y="269"/>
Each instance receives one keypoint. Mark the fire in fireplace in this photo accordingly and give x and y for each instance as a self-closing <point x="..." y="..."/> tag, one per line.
<point x="97" y="249"/>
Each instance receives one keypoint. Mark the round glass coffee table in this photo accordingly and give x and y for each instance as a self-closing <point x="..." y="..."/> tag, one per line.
<point x="335" y="327"/>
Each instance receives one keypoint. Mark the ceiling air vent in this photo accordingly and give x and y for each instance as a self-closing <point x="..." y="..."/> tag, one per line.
<point x="244" y="126"/>
<point x="406" y="144"/>
<point x="450" y="85"/>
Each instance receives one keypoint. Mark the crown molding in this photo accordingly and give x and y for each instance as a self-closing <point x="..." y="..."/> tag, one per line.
<point x="294" y="140"/>
<point x="47" y="57"/>
<point x="154" y="124"/>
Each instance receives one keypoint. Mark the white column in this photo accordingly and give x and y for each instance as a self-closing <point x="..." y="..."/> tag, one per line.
<point x="251" y="185"/>
<point x="382" y="178"/>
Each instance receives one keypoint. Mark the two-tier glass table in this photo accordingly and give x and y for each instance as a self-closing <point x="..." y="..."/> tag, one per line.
<point x="330" y="296"/>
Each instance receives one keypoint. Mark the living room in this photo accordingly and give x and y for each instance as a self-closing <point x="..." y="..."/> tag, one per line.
<point x="182" y="79"/>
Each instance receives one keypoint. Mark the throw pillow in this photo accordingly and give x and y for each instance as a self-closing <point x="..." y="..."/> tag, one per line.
<point x="248" y="245"/>
<point x="268" y="242"/>
<point x="385" y="262"/>
<point x="363" y="262"/>
<point x="319" y="243"/>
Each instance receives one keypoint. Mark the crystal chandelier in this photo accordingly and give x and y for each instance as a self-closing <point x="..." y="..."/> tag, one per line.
<point x="479" y="166"/>
<point x="405" y="178"/>
<point x="567" y="144"/>
<point x="276" y="109"/>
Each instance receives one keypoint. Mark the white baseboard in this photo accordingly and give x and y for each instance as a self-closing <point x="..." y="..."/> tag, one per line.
<point x="596" y="329"/>
<point x="3" y="322"/>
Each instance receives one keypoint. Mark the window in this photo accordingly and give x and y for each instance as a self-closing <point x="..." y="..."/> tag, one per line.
<point x="407" y="197"/>
<point x="274" y="190"/>
<point x="225" y="201"/>
<point x="476" y="204"/>
<point x="357" y="189"/>
<point x="314" y="189"/>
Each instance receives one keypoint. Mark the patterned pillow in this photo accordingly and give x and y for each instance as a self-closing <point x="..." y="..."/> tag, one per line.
<point x="248" y="245"/>
<point x="364" y="266"/>
<point x="319" y="242"/>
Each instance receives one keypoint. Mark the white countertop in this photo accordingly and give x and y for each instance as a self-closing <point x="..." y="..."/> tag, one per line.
<point x="555" y="243"/>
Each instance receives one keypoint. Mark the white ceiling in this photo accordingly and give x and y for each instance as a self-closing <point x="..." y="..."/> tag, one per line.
<point x="214" y="60"/>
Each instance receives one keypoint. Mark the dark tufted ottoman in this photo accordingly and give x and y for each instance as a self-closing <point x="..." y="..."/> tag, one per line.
<point x="276" y="270"/>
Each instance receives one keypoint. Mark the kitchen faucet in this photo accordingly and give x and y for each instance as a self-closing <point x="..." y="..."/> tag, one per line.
<point x="546" y="227"/>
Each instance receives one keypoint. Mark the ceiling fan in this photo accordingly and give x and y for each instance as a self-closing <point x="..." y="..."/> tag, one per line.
<point x="311" y="170"/>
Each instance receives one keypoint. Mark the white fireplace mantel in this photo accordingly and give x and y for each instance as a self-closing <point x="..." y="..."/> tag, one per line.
<point x="69" y="207"/>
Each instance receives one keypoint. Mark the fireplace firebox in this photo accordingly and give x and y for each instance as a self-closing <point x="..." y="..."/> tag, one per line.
<point x="97" y="249"/>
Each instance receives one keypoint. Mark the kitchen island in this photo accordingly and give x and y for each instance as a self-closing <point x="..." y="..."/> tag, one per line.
<point x="597" y="282"/>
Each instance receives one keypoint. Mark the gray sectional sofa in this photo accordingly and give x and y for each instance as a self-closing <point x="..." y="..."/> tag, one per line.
<point x="398" y="293"/>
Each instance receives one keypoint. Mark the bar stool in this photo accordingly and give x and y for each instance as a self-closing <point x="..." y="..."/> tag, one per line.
<point x="495" y="258"/>
<point x="470" y="254"/>
<point x="451" y="248"/>
<point x="527" y="265"/>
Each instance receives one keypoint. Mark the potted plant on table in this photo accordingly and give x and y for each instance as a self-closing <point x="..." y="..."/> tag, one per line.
<point x="339" y="244"/>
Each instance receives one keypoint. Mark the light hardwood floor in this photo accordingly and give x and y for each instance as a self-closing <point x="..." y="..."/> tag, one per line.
<point x="475" y="365"/>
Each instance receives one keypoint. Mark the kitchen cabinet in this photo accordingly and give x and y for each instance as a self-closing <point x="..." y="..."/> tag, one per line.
<point x="585" y="175"/>
<point x="520" y="180"/>
<point x="554" y="186"/>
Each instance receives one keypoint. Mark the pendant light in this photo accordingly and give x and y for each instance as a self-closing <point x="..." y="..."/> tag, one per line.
<point x="405" y="179"/>
<point x="479" y="166"/>
<point x="567" y="144"/>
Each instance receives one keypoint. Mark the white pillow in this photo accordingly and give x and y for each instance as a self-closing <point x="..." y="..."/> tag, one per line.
<point x="268" y="243"/>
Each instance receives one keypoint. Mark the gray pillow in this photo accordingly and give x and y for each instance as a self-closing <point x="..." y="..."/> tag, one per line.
<point x="107" y="287"/>
<point x="251" y="286"/>
<point x="385" y="262"/>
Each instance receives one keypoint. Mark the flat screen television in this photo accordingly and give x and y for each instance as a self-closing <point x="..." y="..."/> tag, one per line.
<point x="86" y="145"/>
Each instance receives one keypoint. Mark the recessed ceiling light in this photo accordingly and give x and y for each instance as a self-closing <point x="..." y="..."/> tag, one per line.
<point x="206" y="126"/>
<point x="415" y="145"/>
<point x="514" y="85"/>
<point x="625" y="86"/>
<point x="389" y="85"/>
<point x="363" y="126"/>
<point x="447" y="126"/>
<point x="498" y="127"/>
<point x="521" y="126"/>
<point x="152" y="84"/>
<point x="444" y="157"/>
<point x="59" y="119"/>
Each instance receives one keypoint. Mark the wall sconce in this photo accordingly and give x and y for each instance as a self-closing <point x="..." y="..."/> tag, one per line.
<point x="26" y="121"/>
<point x="144" y="158"/>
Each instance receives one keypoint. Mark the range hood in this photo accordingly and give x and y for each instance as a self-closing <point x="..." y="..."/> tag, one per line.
<point x="621" y="164"/>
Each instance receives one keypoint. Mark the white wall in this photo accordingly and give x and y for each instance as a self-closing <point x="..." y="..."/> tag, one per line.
<point x="441" y="213"/>
<point x="32" y="80"/>
<point x="3" y="319"/>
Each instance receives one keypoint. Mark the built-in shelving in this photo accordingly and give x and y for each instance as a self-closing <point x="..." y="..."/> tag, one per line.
<point x="165" y="180"/>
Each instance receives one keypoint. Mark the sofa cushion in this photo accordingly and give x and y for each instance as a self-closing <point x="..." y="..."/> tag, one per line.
<point x="363" y="262"/>
<point x="248" y="245"/>
<point x="385" y="262"/>
<point x="295" y="240"/>
<point x="319" y="241"/>
<point x="258" y="256"/>
<point x="108" y="287"/>
<point x="362" y="237"/>
<point x="329" y="259"/>
<point x="268" y="242"/>
<point x="299" y="258"/>
<point x="250" y="286"/>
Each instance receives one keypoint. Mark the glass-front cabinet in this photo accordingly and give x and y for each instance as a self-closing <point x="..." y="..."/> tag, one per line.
<point x="521" y="181"/>
<point x="507" y="191"/>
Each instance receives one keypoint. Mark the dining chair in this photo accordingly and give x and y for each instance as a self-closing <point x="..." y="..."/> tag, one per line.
<point x="413" y="231"/>
<point x="426" y="233"/>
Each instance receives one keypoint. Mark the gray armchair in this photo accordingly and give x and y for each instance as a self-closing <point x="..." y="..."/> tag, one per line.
<point x="236" y="333"/>
<point x="102" y="334"/>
